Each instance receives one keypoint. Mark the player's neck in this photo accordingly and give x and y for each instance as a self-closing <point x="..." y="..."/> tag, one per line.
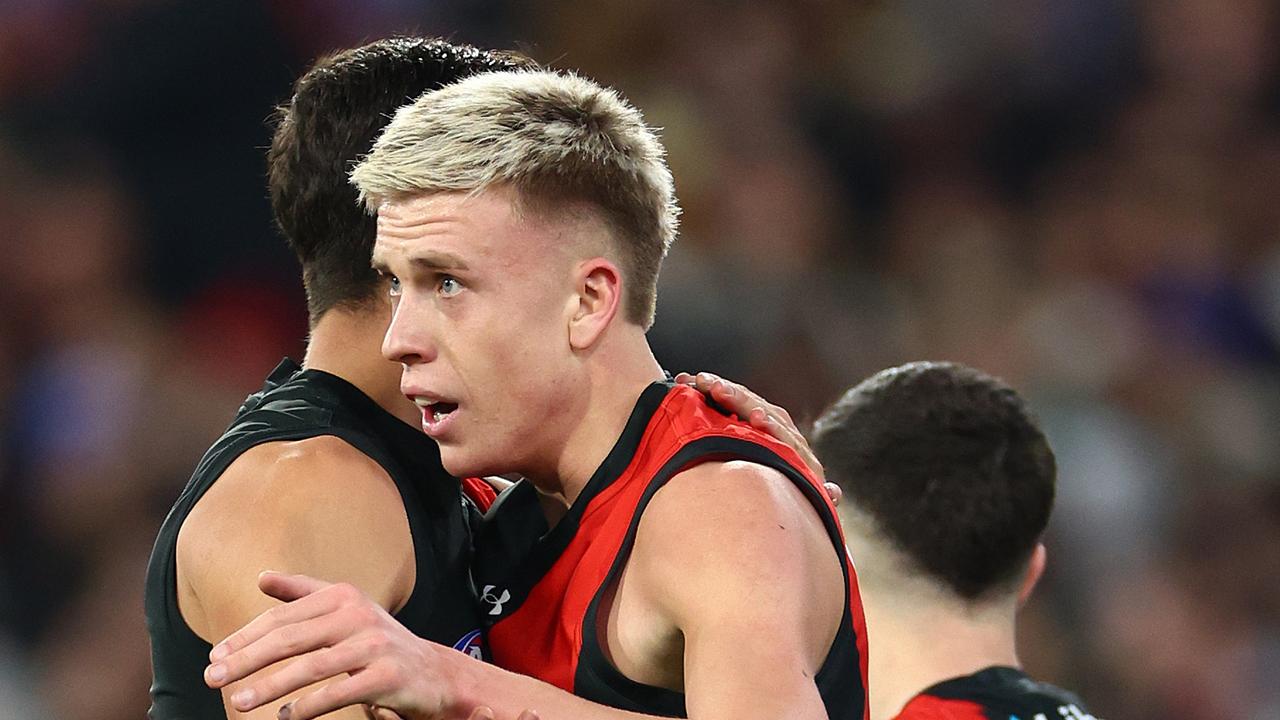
<point x="917" y="642"/>
<point x="614" y="378"/>
<point x="347" y="343"/>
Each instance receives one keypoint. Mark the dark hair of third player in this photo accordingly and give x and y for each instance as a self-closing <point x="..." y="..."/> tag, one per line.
<point x="338" y="108"/>
<point x="950" y="466"/>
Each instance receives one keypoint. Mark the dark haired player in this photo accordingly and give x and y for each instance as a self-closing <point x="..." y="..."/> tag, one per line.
<point x="325" y="470"/>
<point x="949" y="483"/>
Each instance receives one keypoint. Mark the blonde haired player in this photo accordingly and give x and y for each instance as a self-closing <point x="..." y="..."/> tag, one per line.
<point x="699" y="568"/>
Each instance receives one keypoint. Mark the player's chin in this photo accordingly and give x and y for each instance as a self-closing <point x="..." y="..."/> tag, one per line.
<point x="461" y="461"/>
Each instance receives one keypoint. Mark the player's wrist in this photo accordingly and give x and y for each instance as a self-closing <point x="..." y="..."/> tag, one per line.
<point x="464" y="683"/>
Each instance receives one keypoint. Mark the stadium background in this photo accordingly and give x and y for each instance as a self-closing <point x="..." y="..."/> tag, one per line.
<point x="1078" y="196"/>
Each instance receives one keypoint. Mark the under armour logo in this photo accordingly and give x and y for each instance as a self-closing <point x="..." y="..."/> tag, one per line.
<point x="495" y="600"/>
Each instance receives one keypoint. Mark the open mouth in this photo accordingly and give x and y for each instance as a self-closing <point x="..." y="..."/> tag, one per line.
<point x="436" y="412"/>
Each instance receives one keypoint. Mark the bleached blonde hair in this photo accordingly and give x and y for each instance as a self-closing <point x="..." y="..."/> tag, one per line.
<point x="558" y="139"/>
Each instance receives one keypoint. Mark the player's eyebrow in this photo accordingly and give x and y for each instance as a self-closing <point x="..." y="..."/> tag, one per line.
<point x="430" y="260"/>
<point x="433" y="260"/>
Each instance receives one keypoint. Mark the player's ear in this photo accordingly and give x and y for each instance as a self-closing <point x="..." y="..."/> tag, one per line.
<point x="1035" y="568"/>
<point x="597" y="299"/>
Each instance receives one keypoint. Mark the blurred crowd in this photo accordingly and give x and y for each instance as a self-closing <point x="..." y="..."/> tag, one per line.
<point x="1077" y="196"/>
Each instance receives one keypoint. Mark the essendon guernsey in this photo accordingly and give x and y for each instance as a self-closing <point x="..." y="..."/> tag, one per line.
<point x="542" y="591"/>
<point x="996" y="693"/>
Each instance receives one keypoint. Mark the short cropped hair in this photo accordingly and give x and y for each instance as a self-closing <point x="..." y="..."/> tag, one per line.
<point x="337" y="110"/>
<point x="558" y="140"/>
<point x="950" y="467"/>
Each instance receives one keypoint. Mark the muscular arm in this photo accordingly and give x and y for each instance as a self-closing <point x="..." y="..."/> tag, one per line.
<point x="316" y="506"/>
<point x="751" y="583"/>
<point x="735" y="558"/>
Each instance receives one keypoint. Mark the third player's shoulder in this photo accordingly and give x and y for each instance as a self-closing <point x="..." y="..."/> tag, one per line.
<point x="996" y="691"/>
<point x="929" y="707"/>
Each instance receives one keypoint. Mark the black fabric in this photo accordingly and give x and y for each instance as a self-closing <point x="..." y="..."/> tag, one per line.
<point x="506" y="536"/>
<point x="296" y="404"/>
<point x="838" y="680"/>
<point x="1005" y="692"/>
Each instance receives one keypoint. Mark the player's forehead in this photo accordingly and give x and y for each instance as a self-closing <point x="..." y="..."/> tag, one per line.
<point x="488" y="228"/>
<point x="435" y="223"/>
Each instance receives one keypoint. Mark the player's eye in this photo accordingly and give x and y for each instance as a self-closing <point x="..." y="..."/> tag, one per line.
<point x="449" y="286"/>
<point x="393" y="286"/>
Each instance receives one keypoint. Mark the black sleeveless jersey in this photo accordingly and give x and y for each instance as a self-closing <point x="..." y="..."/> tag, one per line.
<point x="996" y="693"/>
<point x="293" y="405"/>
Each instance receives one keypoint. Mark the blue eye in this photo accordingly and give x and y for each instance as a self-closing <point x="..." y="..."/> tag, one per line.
<point x="393" y="288"/>
<point x="449" y="286"/>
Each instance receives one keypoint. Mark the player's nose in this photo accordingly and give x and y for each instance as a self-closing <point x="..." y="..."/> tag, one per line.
<point x="408" y="340"/>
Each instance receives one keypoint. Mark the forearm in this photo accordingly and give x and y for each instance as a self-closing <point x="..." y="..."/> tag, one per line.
<point x="508" y="694"/>
<point x="336" y="633"/>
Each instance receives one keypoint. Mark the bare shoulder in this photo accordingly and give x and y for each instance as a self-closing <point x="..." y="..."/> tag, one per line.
<point x="730" y="496"/>
<point x="739" y="547"/>
<point x="302" y="484"/>
<point x="716" y="518"/>
<point x="316" y="506"/>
